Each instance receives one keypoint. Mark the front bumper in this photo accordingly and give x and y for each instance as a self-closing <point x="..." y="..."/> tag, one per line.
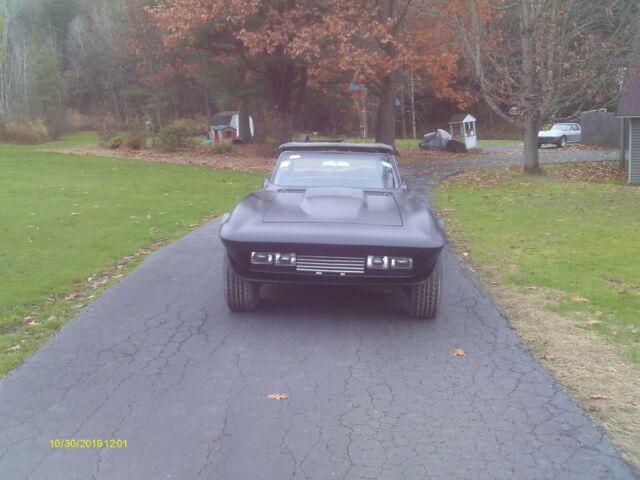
<point x="424" y="260"/>
<point x="546" y="140"/>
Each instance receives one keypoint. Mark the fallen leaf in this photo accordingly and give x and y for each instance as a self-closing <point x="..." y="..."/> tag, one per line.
<point x="548" y="356"/>
<point x="598" y="313"/>
<point x="52" y="317"/>
<point x="594" y="322"/>
<point x="277" y="396"/>
<point x="599" y="397"/>
<point x="27" y="319"/>
<point x="72" y="295"/>
<point x="465" y="254"/>
<point x="578" y="298"/>
<point x="15" y="348"/>
<point x="458" y="352"/>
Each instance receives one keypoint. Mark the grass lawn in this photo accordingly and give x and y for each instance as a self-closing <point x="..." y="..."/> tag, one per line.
<point x="65" y="218"/>
<point x="575" y="237"/>
<point x="497" y="143"/>
<point x="80" y="139"/>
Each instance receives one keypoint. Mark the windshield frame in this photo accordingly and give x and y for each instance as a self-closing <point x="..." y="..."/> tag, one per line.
<point x="335" y="155"/>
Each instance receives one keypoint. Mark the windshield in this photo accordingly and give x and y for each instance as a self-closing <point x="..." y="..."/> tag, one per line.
<point x="335" y="169"/>
<point x="561" y="126"/>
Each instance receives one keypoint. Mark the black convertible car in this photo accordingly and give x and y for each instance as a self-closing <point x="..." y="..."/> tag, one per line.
<point x="334" y="213"/>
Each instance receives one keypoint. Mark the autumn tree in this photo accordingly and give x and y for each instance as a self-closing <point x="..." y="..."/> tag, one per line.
<point x="533" y="60"/>
<point x="272" y="40"/>
<point x="374" y="41"/>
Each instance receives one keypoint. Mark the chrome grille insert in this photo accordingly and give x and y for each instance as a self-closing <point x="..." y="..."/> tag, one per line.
<point x="320" y="264"/>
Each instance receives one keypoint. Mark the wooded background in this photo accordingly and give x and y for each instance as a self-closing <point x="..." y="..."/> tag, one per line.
<point x="290" y="63"/>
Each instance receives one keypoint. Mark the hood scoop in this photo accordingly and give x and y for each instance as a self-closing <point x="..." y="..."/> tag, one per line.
<point x="327" y="201"/>
<point x="333" y="204"/>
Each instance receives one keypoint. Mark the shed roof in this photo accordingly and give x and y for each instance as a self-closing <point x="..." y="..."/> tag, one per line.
<point x="629" y="99"/>
<point x="222" y="118"/>
<point x="462" y="117"/>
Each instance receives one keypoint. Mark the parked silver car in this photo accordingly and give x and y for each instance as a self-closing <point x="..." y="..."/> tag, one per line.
<point x="560" y="134"/>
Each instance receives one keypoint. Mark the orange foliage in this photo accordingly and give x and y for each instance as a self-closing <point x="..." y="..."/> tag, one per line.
<point x="330" y="37"/>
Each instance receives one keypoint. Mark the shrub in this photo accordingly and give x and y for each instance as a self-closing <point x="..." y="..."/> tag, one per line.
<point x="77" y="121"/>
<point x="173" y="137"/>
<point x="221" y="149"/>
<point x="193" y="126"/>
<point x="25" y="132"/>
<point x="114" y="142"/>
<point x="108" y="128"/>
<point x="134" y="141"/>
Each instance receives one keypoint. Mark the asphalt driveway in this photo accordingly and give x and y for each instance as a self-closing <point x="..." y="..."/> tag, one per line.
<point x="159" y="361"/>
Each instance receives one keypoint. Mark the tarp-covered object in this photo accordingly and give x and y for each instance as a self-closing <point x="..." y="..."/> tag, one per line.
<point x="437" y="140"/>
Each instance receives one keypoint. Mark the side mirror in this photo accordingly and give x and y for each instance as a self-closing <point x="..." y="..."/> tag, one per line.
<point x="266" y="182"/>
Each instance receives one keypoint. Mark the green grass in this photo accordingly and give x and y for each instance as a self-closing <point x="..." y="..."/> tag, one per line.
<point x="578" y="238"/>
<point x="497" y="143"/>
<point x="65" y="218"/>
<point x="80" y="139"/>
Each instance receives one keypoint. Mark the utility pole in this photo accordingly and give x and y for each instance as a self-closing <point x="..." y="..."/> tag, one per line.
<point x="412" y="94"/>
<point x="403" y="110"/>
<point x="363" y="112"/>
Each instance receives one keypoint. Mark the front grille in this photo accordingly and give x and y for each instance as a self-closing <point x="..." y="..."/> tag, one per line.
<point x="320" y="264"/>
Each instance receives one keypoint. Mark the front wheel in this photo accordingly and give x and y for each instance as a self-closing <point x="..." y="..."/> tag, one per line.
<point x="241" y="295"/>
<point x="562" y="142"/>
<point x="424" y="298"/>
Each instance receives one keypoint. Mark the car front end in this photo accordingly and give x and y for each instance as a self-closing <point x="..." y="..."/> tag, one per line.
<point x="549" y="137"/>
<point x="334" y="214"/>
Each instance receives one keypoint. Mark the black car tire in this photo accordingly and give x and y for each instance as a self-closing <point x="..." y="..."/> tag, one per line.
<point x="424" y="298"/>
<point x="562" y="142"/>
<point x="241" y="295"/>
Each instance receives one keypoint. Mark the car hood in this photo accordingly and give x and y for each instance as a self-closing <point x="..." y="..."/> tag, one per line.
<point x="332" y="205"/>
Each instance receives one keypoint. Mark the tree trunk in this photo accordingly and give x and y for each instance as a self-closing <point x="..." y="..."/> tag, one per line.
<point x="386" y="127"/>
<point x="244" y="126"/>
<point x="531" y="164"/>
<point x="298" y="106"/>
<point x="280" y="77"/>
<point x="403" y="116"/>
<point x="207" y="104"/>
<point x="412" y="93"/>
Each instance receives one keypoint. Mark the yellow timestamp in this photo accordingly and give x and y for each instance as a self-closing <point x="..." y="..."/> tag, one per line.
<point x="88" y="443"/>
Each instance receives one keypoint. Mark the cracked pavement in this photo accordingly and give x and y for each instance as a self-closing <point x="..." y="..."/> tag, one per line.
<point x="158" y="360"/>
